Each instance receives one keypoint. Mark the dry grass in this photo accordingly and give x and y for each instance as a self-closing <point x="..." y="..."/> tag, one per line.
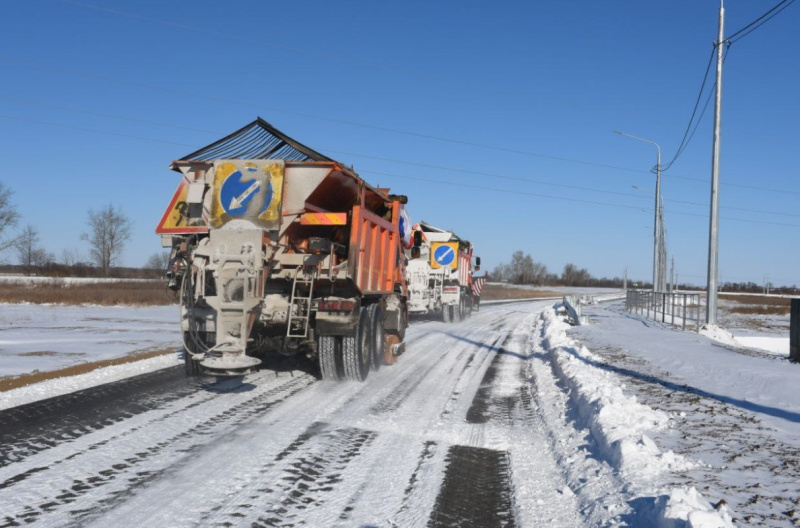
<point x="496" y="292"/>
<point x="15" y="382"/>
<point x="758" y="304"/>
<point x="130" y="293"/>
<point x="757" y="299"/>
<point x="760" y="310"/>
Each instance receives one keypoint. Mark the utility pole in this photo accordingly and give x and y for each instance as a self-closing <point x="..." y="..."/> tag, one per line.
<point x="713" y="232"/>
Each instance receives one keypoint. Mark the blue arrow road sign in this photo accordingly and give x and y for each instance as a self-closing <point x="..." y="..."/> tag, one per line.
<point x="444" y="255"/>
<point x="235" y="194"/>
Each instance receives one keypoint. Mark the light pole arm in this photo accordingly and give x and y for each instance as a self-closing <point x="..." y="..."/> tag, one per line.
<point x="646" y="141"/>
<point x="656" y="244"/>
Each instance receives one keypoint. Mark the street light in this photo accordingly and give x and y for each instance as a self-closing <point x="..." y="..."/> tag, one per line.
<point x="658" y="201"/>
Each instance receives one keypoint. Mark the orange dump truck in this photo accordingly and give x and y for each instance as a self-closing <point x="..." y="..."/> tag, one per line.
<point x="278" y="249"/>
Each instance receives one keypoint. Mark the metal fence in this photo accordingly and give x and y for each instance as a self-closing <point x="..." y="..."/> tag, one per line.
<point x="678" y="309"/>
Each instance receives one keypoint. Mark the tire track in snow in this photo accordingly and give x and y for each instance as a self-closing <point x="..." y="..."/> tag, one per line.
<point x="38" y="426"/>
<point x="296" y="482"/>
<point x="121" y="476"/>
<point x="476" y="490"/>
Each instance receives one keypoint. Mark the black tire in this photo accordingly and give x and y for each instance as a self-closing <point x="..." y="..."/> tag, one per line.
<point x="330" y="357"/>
<point x="357" y="349"/>
<point x="446" y="314"/>
<point x="192" y="366"/>
<point x="378" y="335"/>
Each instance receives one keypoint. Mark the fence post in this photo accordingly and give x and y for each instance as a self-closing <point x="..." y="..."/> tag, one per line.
<point x="697" y="312"/>
<point x="794" y="331"/>
<point x="684" y="311"/>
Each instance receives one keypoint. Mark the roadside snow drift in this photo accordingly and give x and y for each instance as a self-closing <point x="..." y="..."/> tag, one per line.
<point x="619" y="426"/>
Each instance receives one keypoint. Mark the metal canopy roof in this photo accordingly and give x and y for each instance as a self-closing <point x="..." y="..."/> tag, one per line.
<point x="258" y="140"/>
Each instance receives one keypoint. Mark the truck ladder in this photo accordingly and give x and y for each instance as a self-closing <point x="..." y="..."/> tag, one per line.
<point x="301" y="303"/>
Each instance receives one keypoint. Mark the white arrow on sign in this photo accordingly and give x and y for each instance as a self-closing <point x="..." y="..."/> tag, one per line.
<point x="442" y="256"/>
<point x="237" y="201"/>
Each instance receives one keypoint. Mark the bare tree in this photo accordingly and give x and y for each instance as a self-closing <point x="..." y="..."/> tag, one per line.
<point x="30" y="255"/>
<point x="71" y="257"/>
<point x="8" y="217"/>
<point x="574" y="276"/>
<point x="157" y="261"/>
<point x="110" y="229"/>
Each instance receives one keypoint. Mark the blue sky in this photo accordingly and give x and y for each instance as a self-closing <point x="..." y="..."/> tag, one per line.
<point x="495" y="118"/>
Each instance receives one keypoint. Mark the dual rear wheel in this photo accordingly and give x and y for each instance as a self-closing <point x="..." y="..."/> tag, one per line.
<point x="351" y="357"/>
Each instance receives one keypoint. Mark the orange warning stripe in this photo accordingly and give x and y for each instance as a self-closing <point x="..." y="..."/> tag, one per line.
<point x="323" y="219"/>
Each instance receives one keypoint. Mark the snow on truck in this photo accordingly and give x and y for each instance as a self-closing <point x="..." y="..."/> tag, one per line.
<point x="278" y="248"/>
<point x="440" y="280"/>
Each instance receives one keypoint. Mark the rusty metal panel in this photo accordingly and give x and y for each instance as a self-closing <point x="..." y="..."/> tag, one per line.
<point x="373" y="252"/>
<point x="300" y="183"/>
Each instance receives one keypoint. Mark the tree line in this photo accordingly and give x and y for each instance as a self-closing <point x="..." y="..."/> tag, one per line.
<point x="523" y="269"/>
<point x="108" y="231"/>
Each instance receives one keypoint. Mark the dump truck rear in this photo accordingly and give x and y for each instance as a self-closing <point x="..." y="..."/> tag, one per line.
<point x="279" y="249"/>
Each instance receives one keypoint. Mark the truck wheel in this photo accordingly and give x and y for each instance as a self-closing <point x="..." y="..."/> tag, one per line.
<point x="446" y="313"/>
<point x="192" y="366"/>
<point x="378" y="336"/>
<point x="356" y="349"/>
<point x="330" y="357"/>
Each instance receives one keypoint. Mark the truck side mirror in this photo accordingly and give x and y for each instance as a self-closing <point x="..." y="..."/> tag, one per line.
<point x="417" y="240"/>
<point x="477" y="263"/>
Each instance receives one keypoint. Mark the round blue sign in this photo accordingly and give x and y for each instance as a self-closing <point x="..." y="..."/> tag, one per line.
<point x="238" y="193"/>
<point x="444" y="255"/>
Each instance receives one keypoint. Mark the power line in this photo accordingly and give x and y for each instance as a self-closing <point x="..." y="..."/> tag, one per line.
<point x="317" y="117"/>
<point x="323" y="118"/>
<point x="551" y="184"/>
<point x="738" y="35"/>
<point x="403" y="162"/>
<point x="684" y="140"/>
<point x="84" y="129"/>
<point x="101" y="114"/>
<point x="760" y="21"/>
<point x="578" y="200"/>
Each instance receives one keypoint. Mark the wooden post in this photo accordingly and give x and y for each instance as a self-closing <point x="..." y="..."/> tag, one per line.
<point x="794" y="331"/>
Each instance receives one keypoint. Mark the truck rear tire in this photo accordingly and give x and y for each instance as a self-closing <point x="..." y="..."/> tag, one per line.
<point x="330" y="357"/>
<point x="447" y="313"/>
<point x="378" y="336"/>
<point x="357" y="349"/>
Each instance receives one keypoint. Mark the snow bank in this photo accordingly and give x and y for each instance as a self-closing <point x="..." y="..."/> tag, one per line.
<point x="619" y="425"/>
<point x="719" y="335"/>
<point x="686" y="508"/>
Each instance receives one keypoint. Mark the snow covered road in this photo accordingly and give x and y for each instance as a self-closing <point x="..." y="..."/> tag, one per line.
<point x="488" y="422"/>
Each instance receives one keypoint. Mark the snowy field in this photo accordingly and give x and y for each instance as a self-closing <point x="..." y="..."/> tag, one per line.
<point x="649" y="426"/>
<point x="35" y="337"/>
